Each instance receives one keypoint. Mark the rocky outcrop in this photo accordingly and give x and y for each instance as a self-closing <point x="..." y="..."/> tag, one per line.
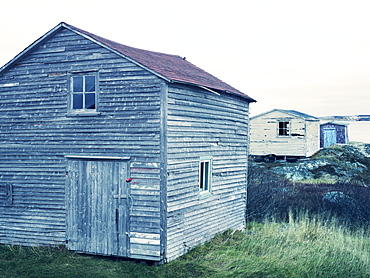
<point x="339" y="163"/>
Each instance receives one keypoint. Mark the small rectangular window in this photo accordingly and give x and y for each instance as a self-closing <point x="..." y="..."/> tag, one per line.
<point x="205" y="174"/>
<point x="6" y="194"/>
<point x="283" y="129"/>
<point x="83" y="92"/>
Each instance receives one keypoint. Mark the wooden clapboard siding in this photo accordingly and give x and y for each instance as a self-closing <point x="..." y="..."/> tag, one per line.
<point x="145" y="211"/>
<point x="37" y="132"/>
<point x="313" y="137"/>
<point x="34" y="226"/>
<point x="202" y="123"/>
<point x="38" y="180"/>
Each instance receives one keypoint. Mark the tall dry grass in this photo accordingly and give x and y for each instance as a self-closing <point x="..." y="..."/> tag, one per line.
<point x="306" y="246"/>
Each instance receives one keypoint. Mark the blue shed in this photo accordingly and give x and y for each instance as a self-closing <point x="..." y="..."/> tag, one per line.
<point x="115" y="150"/>
<point x="332" y="133"/>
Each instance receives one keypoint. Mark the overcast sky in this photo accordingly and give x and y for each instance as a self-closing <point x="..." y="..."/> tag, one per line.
<point x="312" y="56"/>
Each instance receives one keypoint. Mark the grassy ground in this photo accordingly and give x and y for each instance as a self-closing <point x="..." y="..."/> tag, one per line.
<point x="302" y="248"/>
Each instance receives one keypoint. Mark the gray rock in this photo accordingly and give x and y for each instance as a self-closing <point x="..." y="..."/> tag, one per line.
<point x="336" y="197"/>
<point x="299" y="171"/>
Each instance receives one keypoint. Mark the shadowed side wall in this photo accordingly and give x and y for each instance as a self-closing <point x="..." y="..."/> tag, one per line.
<point x="202" y="123"/>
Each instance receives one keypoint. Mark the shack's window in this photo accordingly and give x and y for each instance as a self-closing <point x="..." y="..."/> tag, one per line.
<point x="83" y="92"/>
<point x="6" y="194"/>
<point x="283" y="129"/>
<point x="205" y="175"/>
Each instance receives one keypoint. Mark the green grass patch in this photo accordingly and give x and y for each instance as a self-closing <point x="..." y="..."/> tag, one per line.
<point x="324" y="179"/>
<point x="304" y="247"/>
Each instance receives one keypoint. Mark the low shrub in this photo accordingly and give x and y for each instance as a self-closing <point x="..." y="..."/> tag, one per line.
<point x="271" y="195"/>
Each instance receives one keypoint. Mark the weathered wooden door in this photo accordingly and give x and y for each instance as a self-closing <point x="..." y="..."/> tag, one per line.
<point x="96" y="206"/>
<point x="330" y="137"/>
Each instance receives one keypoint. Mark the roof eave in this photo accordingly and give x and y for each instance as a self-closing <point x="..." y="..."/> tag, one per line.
<point x="242" y="95"/>
<point x="213" y="90"/>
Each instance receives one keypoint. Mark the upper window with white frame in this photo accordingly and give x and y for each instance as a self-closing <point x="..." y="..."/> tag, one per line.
<point x="83" y="92"/>
<point x="283" y="128"/>
<point x="205" y="174"/>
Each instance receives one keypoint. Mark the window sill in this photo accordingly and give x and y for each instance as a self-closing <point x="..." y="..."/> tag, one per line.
<point x="83" y="114"/>
<point x="204" y="194"/>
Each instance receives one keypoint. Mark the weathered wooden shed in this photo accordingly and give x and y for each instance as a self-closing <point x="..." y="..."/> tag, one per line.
<point x="284" y="133"/>
<point x="332" y="133"/>
<point x="114" y="150"/>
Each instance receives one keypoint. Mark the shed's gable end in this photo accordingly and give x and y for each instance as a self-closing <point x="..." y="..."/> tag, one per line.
<point x="47" y="46"/>
<point x="66" y="73"/>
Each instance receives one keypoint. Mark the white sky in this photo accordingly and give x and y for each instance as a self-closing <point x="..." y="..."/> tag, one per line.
<point x="312" y="56"/>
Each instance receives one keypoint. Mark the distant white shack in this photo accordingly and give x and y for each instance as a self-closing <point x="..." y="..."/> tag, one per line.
<point x="284" y="134"/>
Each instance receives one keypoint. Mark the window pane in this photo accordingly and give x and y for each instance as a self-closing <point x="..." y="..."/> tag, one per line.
<point x="90" y="101"/>
<point x="201" y="176"/>
<point x="284" y="128"/>
<point x="89" y="83"/>
<point x="77" y="84"/>
<point x="77" y="101"/>
<point x="206" y="175"/>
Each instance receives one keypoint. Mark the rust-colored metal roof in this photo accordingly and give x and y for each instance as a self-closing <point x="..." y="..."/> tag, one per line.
<point x="171" y="67"/>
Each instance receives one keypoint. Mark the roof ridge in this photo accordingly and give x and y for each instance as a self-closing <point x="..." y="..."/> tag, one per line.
<point x="100" y="38"/>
